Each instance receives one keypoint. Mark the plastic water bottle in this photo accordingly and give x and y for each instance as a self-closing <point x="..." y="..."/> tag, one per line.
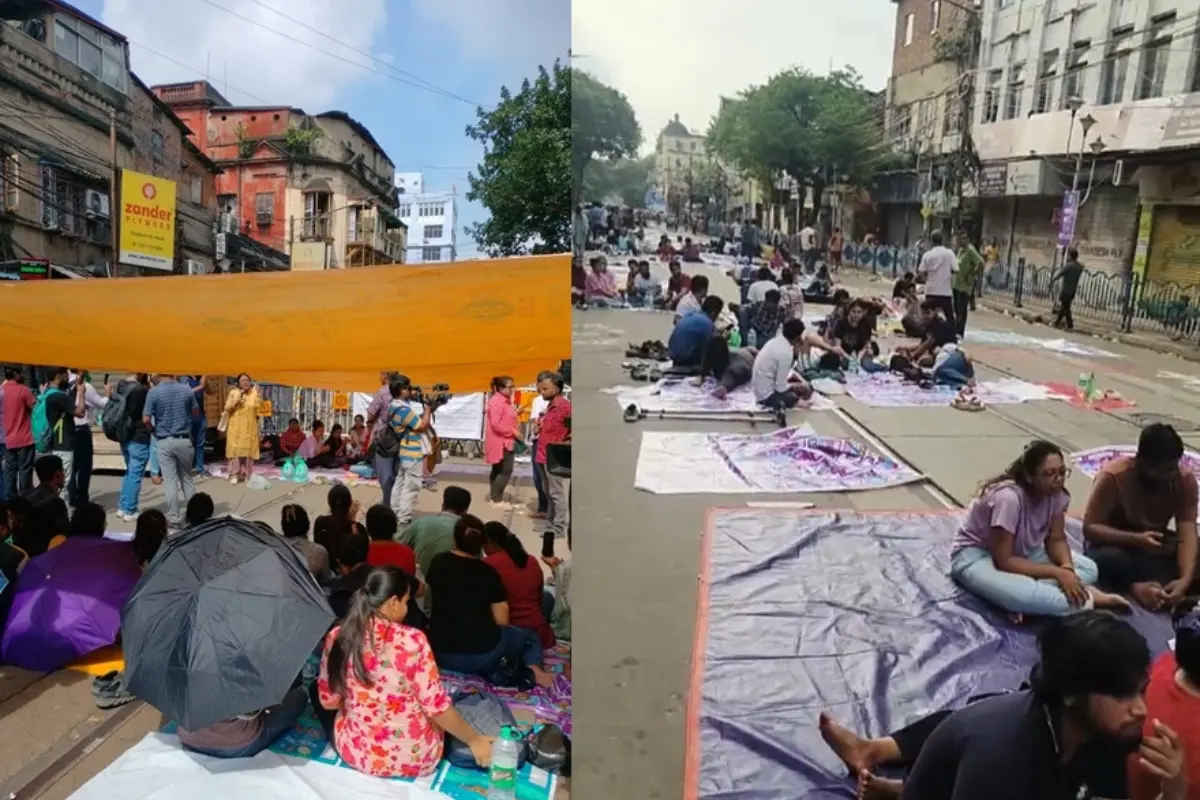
<point x="855" y="365"/>
<point x="502" y="776"/>
<point x="751" y="338"/>
<point x="1086" y="386"/>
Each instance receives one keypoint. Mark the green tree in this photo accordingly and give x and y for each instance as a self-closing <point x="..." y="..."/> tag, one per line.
<point x="603" y="125"/>
<point x="810" y="128"/>
<point x="524" y="180"/>
<point x="625" y="179"/>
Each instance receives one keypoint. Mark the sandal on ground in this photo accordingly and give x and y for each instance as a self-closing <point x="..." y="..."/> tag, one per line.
<point x="632" y="413"/>
<point x="965" y="401"/>
<point x="105" y="682"/>
<point x="114" y="695"/>
<point x="640" y="372"/>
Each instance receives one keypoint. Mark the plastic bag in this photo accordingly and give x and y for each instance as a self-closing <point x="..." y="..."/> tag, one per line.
<point x="300" y="471"/>
<point x="487" y="714"/>
<point x="287" y="470"/>
<point x="258" y="483"/>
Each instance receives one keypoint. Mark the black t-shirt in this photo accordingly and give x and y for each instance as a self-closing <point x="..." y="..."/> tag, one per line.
<point x="901" y="288"/>
<point x="59" y="407"/>
<point x="852" y="338"/>
<point x="1003" y="748"/>
<point x="942" y="331"/>
<point x="464" y="590"/>
<point x="135" y="407"/>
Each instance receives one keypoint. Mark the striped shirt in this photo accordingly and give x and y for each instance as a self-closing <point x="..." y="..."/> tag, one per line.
<point x="171" y="405"/>
<point x="403" y="420"/>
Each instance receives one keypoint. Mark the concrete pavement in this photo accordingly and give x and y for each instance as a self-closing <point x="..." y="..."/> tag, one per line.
<point x="53" y="738"/>
<point x="635" y="580"/>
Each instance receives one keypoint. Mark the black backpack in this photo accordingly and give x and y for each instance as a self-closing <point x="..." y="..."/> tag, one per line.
<point x="385" y="442"/>
<point x="115" y="419"/>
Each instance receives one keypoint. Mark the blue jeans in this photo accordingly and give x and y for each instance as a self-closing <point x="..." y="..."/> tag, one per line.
<point x="539" y="481"/>
<point x="199" y="432"/>
<point x="277" y="721"/>
<point x="603" y="302"/>
<point x="136" y="454"/>
<point x="514" y="643"/>
<point x="974" y="570"/>
<point x="155" y="472"/>
<point x="385" y="470"/>
<point x="955" y="371"/>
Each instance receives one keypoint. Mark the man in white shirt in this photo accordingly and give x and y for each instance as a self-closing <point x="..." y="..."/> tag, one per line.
<point x="536" y="411"/>
<point x="808" y="246"/>
<point x="771" y="378"/>
<point x="937" y="267"/>
<point x="79" y="483"/>
<point x="764" y="283"/>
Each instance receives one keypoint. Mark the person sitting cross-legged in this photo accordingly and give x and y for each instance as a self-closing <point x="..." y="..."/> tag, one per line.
<point x="1011" y="548"/>
<point x="470" y="629"/>
<point x="1128" y="521"/>
<point x="379" y="695"/>
<point x="689" y="339"/>
<point x="772" y="377"/>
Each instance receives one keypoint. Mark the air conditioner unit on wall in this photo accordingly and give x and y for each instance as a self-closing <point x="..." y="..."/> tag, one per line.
<point x="264" y="217"/>
<point x="96" y="204"/>
<point x="193" y="267"/>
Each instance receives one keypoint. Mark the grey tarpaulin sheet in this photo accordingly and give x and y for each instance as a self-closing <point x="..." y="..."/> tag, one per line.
<point x="854" y="613"/>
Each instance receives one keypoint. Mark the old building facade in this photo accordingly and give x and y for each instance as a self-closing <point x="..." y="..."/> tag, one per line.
<point x="317" y="187"/>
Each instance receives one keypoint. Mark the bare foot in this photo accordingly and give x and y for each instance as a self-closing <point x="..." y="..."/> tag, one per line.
<point x="1149" y="595"/>
<point x="1113" y="602"/>
<point x="853" y="750"/>
<point x="872" y="787"/>
<point x="542" y="678"/>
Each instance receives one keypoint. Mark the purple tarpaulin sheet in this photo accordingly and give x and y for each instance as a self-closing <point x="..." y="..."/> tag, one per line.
<point x="848" y="612"/>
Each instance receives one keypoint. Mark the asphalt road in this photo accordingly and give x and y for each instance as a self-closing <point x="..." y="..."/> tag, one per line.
<point x="635" y="579"/>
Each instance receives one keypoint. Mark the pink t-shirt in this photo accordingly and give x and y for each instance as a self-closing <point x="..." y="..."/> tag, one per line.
<point x="1008" y="507"/>
<point x="18" y="416"/>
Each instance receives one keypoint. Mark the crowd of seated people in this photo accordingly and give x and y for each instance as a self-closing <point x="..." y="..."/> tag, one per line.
<point x="447" y="593"/>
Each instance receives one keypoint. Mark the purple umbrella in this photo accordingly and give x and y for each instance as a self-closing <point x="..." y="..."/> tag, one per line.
<point x="67" y="603"/>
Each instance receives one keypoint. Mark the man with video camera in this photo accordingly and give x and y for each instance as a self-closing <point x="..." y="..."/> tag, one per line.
<point x="399" y="438"/>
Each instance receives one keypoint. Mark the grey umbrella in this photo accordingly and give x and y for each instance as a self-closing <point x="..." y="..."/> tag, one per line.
<point x="221" y="623"/>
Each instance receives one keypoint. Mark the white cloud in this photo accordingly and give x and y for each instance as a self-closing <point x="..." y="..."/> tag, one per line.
<point x="264" y="64"/>
<point x="525" y="33"/>
<point x="680" y="56"/>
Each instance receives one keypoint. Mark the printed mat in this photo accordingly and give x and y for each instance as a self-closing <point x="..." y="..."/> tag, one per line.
<point x="885" y="390"/>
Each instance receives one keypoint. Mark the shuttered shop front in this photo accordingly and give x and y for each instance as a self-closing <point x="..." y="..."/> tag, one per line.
<point x="1107" y="229"/>
<point x="1175" y="247"/>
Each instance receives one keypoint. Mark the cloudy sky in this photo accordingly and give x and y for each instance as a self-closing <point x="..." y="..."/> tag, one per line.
<point x="392" y="64"/>
<point x="680" y="56"/>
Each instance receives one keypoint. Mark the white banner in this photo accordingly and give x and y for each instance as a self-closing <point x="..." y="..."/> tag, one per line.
<point x="461" y="418"/>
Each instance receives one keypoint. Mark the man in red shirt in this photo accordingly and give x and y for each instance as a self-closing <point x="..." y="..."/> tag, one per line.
<point x="1173" y="710"/>
<point x="17" y="414"/>
<point x="554" y="429"/>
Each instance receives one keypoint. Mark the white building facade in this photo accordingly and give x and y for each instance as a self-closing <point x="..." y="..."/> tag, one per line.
<point x="431" y="217"/>
<point x="1103" y="95"/>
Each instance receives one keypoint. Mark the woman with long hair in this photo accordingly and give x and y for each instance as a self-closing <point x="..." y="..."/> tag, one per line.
<point x="529" y="604"/>
<point x="379" y="694"/>
<point x="294" y="524"/>
<point x="328" y="529"/>
<point x="500" y="438"/>
<point x="471" y="626"/>
<point x="1012" y="549"/>
<point x="242" y="437"/>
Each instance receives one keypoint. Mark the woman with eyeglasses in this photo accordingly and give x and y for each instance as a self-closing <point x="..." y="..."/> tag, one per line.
<point x="1012" y="548"/>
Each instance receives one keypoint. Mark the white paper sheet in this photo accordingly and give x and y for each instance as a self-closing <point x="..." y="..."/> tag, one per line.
<point x="157" y="768"/>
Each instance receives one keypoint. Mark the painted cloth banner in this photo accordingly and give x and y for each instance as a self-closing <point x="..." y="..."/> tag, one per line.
<point x="885" y="390"/>
<point x="684" y="396"/>
<point x="792" y="460"/>
<point x="461" y="324"/>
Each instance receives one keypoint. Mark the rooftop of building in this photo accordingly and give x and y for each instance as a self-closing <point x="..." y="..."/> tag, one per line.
<point x="23" y="9"/>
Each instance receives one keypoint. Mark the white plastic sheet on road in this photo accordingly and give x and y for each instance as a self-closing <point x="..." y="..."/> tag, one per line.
<point x="157" y="768"/>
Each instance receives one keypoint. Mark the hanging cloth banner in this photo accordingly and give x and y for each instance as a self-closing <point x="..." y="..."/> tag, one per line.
<point x="460" y="323"/>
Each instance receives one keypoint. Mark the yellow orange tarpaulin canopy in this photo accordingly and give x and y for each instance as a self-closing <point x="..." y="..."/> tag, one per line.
<point x="461" y="323"/>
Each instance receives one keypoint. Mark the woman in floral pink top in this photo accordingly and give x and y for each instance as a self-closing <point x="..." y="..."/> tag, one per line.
<point x="380" y="678"/>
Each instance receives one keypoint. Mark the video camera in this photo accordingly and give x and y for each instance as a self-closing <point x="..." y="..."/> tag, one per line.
<point x="437" y="397"/>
